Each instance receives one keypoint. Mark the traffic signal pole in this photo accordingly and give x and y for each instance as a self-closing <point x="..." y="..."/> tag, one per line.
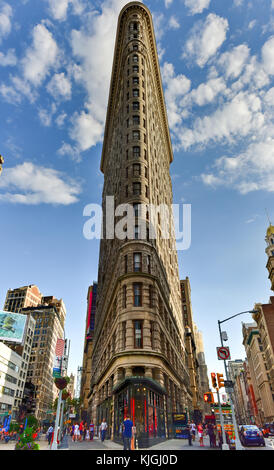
<point x="225" y="446"/>
<point x="238" y="445"/>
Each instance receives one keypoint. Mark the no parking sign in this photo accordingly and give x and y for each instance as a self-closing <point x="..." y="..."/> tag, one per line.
<point x="223" y="353"/>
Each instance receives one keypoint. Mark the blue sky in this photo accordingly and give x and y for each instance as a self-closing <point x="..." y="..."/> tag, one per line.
<point x="217" y="63"/>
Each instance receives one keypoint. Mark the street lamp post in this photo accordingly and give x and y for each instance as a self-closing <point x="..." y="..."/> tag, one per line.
<point x="238" y="444"/>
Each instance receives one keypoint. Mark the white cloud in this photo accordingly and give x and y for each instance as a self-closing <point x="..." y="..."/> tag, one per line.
<point x="234" y="120"/>
<point x="9" y="94"/>
<point x="197" y="6"/>
<point x="59" y="8"/>
<point x="205" y="93"/>
<point x="86" y="130"/>
<point x="251" y="170"/>
<point x="234" y="61"/>
<point x="60" y="119"/>
<point x="205" y="39"/>
<point x="45" y="117"/>
<point x="31" y="184"/>
<point x="268" y="56"/>
<point x="94" y="70"/>
<point x="173" y="23"/>
<point x="168" y="3"/>
<point x="176" y="86"/>
<point x="5" y="20"/>
<point x="69" y="150"/>
<point x="59" y="86"/>
<point x="8" y="59"/>
<point x="41" y="56"/>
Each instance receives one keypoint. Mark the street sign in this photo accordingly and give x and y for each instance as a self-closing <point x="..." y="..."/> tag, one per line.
<point x="228" y="384"/>
<point x="223" y="353"/>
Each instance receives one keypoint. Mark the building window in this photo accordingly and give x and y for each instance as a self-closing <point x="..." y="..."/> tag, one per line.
<point x="137" y="189"/>
<point x="135" y="80"/>
<point x="136" y="209"/>
<point x="149" y="264"/>
<point x="125" y="263"/>
<point x="124" y="334"/>
<point x="135" y="93"/>
<point x="135" y="69"/>
<point x="136" y="120"/>
<point x="135" y="105"/>
<point x="136" y="232"/>
<point x="137" y="292"/>
<point x="136" y="169"/>
<point x="137" y="262"/>
<point x="124" y="296"/>
<point x="136" y="152"/>
<point x="150" y="295"/>
<point x="136" y="135"/>
<point x="135" y="58"/>
<point x="138" y="334"/>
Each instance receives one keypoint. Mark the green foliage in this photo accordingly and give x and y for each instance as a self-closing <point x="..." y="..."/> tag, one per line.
<point x="33" y="422"/>
<point x="14" y="427"/>
<point x="26" y="441"/>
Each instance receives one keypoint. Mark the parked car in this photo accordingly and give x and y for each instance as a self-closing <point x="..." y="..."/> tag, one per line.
<point x="251" y="435"/>
<point x="268" y="429"/>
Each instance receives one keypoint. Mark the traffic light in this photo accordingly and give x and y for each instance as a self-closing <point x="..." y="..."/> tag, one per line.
<point x="213" y="379"/>
<point x="208" y="397"/>
<point x="220" y="379"/>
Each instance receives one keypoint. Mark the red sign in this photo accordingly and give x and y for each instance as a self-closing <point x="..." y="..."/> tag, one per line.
<point x="223" y="353"/>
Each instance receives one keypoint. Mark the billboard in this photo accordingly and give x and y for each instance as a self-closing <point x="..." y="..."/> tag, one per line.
<point x="59" y="352"/>
<point x="12" y="326"/>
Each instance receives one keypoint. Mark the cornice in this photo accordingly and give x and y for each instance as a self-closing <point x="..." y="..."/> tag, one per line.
<point x="114" y="85"/>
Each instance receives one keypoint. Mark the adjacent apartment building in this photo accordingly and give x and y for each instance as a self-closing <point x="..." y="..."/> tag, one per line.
<point x="45" y="319"/>
<point x="10" y="365"/>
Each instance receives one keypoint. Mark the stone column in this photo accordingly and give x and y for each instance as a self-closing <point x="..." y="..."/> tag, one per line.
<point x="148" y="372"/>
<point x="146" y="334"/>
<point x="157" y="341"/>
<point x="128" y="372"/>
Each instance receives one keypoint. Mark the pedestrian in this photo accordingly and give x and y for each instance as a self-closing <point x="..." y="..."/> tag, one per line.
<point x="200" y="434"/>
<point x="193" y="430"/>
<point x="91" y="431"/>
<point x="214" y="437"/>
<point x="210" y="432"/>
<point x="49" y="434"/>
<point x="127" y="433"/>
<point x="103" y="429"/>
<point x="81" y="430"/>
<point x="85" y="431"/>
<point x="76" y="432"/>
<point x="189" y="434"/>
<point x="133" y="439"/>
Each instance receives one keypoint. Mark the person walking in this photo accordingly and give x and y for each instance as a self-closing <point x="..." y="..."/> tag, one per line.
<point x="91" y="431"/>
<point x="81" y="430"/>
<point x="76" y="432"/>
<point x="201" y="434"/>
<point x="193" y="430"/>
<point x="49" y="434"/>
<point x="127" y="433"/>
<point x="210" y="432"/>
<point x="189" y="434"/>
<point x="103" y="429"/>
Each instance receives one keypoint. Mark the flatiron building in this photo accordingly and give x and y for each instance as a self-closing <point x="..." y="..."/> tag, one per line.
<point x="139" y="360"/>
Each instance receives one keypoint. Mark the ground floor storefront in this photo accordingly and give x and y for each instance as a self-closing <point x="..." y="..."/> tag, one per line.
<point x="146" y="403"/>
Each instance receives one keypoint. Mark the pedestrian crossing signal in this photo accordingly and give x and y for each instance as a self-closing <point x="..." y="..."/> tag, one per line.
<point x="208" y="397"/>
<point x="213" y="379"/>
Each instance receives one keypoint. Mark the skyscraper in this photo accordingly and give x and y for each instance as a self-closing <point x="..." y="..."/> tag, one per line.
<point x="139" y="361"/>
